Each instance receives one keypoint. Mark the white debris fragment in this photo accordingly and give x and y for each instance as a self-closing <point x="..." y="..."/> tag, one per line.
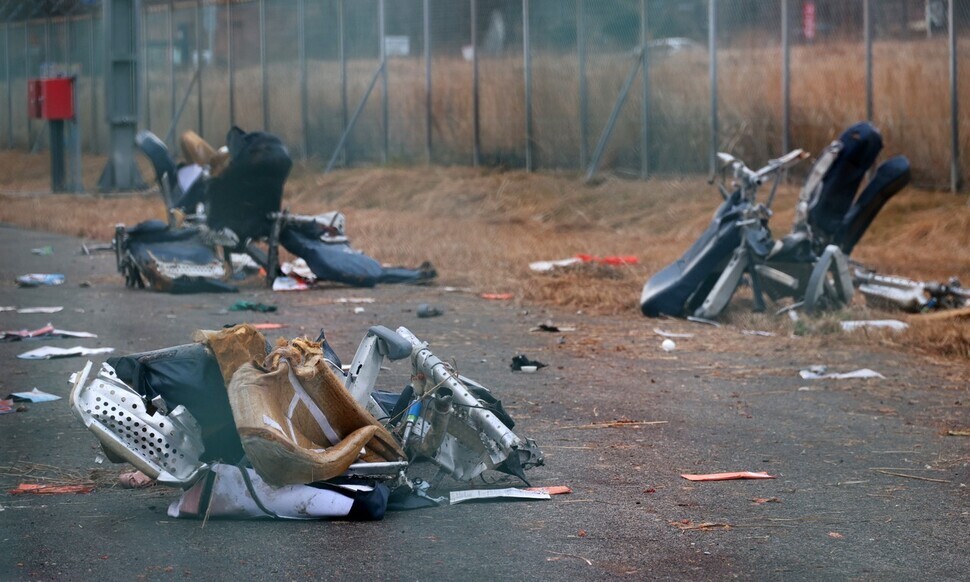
<point x="893" y="324"/>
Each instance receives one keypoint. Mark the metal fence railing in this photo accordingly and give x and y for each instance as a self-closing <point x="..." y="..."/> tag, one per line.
<point x="518" y="83"/>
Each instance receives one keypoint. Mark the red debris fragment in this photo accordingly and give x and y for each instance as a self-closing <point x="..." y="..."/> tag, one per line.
<point x="37" y="489"/>
<point x="728" y="476"/>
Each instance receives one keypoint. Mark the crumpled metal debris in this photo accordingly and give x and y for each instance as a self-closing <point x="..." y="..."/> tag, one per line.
<point x="453" y="422"/>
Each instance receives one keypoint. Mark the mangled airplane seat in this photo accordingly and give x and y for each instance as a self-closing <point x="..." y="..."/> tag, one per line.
<point x="174" y="255"/>
<point x="229" y="201"/>
<point x="809" y="264"/>
<point x="251" y="430"/>
<point x="828" y="210"/>
<point x="297" y="422"/>
<point x="244" y="196"/>
<point x="188" y="256"/>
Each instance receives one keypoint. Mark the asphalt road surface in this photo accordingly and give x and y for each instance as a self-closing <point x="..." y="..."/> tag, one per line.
<point x="869" y="485"/>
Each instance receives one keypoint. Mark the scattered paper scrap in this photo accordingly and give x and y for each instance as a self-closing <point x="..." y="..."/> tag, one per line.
<point x="289" y="284"/>
<point x="43" y="251"/>
<point x="893" y="324"/>
<point x="482" y="494"/>
<point x="37" y="489"/>
<point x="46" y="332"/>
<point x="836" y="535"/>
<point x="763" y="500"/>
<point x="354" y="300"/>
<point x="497" y="296"/>
<point x="819" y="373"/>
<point x="553" y="490"/>
<point x="40" y="310"/>
<point x="39" y="279"/>
<point x="14" y="335"/>
<point x="671" y="335"/>
<point x="73" y="334"/>
<point x="299" y="270"/>
<point x="34" y="395"/>
<point x="728" y="476"/>
<point x="48" y="353"/>
<point x="958" y="432"/>
<point x="543" y="266"/>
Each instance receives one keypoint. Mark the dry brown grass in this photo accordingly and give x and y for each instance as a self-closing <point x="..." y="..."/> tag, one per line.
<point x="911" y="106"/>
<point x="946" y="338"/>
<point x="481" y="228"/>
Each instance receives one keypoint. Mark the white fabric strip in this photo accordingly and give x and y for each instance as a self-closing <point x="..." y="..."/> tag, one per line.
<point x="315" y="411"/>
<point x="272" y="423"/>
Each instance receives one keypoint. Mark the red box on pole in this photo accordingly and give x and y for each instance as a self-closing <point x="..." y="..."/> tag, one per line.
<point x="51" y="99"/>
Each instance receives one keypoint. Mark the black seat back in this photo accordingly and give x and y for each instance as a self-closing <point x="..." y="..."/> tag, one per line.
<point x="251" y="187"/>
<point x="860" y="145"/>
<point x="891" y="177"/>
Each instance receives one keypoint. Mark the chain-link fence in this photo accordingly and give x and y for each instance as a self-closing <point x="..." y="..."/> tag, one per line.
<point x="518" y="83"/>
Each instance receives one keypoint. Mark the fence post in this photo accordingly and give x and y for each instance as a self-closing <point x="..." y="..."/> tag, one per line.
<point x="785" y="79"/>
<point x="200" y="57"/>
<point x="171" y="59"/>
<point x="712" y="51"/>
<point x="6" y="68"/>
<point x="867" y="28"/>
<point x="342" y="35"/>
<point x="476" y="127"/>
<point x="30" y="128"/>
<point x="527" y="65"/>
<point x="382" y="55"/>
<point x="645" y="101"/>
<point x="304" y="91"/>
<point x="230" y="62"/>
<point x="954" y="105"/>
<point x="427" y="78"/>
<point x="263" y="71"/>
<point x="122" y="31"/>
<point x="96" y="142"/>
<point x="47" y="42"/>
<point x="147" y="114"/>
<point x="583" y="89"/>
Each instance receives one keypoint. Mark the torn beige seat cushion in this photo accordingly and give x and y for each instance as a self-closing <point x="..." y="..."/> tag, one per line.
<point x="198" y="151"/>
<point x="233" y="347"/>
<point x="298" y="423"/>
